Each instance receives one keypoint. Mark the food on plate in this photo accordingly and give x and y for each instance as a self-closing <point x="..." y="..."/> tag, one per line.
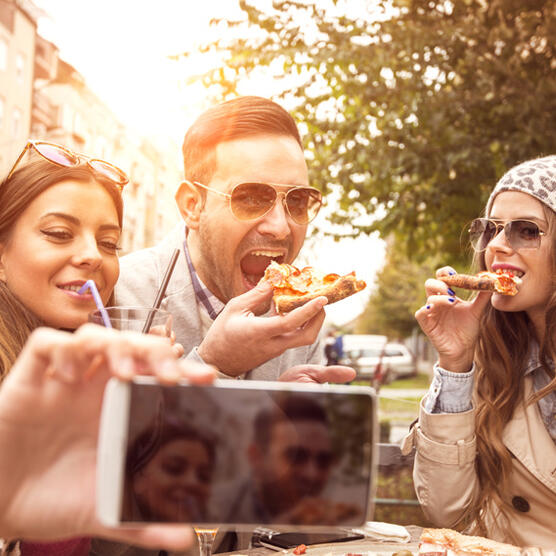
<point x="446" y="542"/>
<point x="293" y="287"/>
<point x="504" y="282"/>
<point x="301" y="549"/>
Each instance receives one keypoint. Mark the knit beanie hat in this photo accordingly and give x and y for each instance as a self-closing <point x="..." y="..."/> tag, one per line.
<point x="535" y="177"/>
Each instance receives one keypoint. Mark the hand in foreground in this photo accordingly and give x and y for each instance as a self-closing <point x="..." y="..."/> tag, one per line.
<point x="239" y="340"/>
<point x="451" y="323"/>
<point x="167" y="332"/>
<point x="50" y="406"/>
<point x="318" y="373"/>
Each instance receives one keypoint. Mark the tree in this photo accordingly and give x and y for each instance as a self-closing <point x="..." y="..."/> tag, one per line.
<point x="415" y="108"/>
<point x="397" y="294"/>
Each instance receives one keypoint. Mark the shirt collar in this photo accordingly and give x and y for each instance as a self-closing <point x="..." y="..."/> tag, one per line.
<point x="204" y="296"/>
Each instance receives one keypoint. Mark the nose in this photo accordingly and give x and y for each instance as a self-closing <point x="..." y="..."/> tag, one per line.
<point x="500" y="241"/>
<point x="87" y="254"/>
<point x="276" y="222"/>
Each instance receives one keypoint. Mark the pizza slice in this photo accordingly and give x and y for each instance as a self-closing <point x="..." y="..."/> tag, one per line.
<point x="444" y="542"/>
<point x="503" y="282"/>
<point x="293" y="287"/>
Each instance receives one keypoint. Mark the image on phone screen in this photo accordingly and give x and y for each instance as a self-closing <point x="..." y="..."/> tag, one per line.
<point x="229" y="455"/>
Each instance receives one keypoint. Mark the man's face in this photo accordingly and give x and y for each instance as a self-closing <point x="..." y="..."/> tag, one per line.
<point x="296" y="464"/>
<point x="231" y="255"/>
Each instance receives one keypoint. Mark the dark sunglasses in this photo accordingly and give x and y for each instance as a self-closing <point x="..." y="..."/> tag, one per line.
<point x="62" y="156"/>
<point x="520" y="234"/>
<point x="252" y="200"/>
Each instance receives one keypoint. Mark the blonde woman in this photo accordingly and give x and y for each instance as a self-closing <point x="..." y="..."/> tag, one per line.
<point x="486" y="436"/>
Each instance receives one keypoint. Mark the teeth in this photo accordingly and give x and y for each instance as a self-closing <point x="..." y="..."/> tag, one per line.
<point x="266" y="253"/>
<point x="71" y="287"/>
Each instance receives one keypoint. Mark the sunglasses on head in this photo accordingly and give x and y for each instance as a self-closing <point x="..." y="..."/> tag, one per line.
<point x="62" y="156"/>
<point x="520" y="234"/>
<point x="252" y="200"/>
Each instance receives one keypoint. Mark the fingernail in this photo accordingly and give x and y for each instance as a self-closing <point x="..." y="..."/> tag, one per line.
<point x="451" y="272"/>
<point x="451" y="291"/>
<point x="451" y="299"/>
<point x="428" y="307"/>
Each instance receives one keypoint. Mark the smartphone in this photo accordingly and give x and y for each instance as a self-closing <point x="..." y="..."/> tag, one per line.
<point x="291" y="540"/>
<point x="237" y="453"/>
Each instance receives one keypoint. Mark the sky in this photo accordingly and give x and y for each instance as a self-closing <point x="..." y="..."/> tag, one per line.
<point x="122" y="49"/>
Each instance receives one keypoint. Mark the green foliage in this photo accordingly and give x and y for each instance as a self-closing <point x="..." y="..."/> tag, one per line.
<point x="415" y="107"/>
<point x="398" y="293"/>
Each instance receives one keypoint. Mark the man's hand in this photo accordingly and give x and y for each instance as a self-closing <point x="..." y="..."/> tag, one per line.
<point x="50" y="406"/>
<point x="318" y="373"/>
<point x="239" y="340"/>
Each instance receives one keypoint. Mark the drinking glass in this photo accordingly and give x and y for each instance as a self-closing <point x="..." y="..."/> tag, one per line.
<point x="205" y="535"/>
<point x="132" y="318"/>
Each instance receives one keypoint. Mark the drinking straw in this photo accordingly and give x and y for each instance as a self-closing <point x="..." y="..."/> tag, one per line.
<point x="90" y="285"/>
<point x="161" y="290"/>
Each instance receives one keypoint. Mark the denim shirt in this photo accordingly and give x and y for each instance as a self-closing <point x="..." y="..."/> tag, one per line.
<point x="452" y="392"/>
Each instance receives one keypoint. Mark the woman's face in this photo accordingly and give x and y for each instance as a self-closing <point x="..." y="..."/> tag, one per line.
<point x="175" y="484"/>
<point x="533" y="265"/>
<point x="66" y="236"/>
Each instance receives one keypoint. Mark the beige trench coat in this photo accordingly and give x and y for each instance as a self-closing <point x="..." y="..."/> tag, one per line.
<point x="445" y="479"/>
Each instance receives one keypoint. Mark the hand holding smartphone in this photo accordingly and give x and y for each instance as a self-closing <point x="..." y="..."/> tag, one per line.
<point x="237" y="453"/>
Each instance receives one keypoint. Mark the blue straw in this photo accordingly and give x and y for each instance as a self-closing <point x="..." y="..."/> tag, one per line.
<point x="90" y="285"/>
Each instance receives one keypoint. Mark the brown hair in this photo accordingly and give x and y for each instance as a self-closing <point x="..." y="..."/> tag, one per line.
<point x="501" y="355"/>
<point x="16" y="193"/>
<point x="235" y="119"/>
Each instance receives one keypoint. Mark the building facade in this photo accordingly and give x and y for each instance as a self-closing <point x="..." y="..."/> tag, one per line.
<point x="43" y="97"/>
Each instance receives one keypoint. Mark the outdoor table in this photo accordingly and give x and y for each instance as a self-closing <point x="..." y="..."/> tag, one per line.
<point x="357" y="546"/>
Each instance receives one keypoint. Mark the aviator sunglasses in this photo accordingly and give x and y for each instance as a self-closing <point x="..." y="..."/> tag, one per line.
<point x="62" y="156"/>
<point x="252" y="200"/>
<point x="520" y="234"/>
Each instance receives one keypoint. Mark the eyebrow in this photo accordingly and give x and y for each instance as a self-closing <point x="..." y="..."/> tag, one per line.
<point x="76" y="221"/>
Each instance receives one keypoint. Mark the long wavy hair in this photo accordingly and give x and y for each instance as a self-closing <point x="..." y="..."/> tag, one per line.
<point x="501" y="356"/>
<point x="16" y="194"/>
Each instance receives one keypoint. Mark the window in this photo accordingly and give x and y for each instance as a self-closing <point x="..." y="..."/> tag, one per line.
<point x="3" y="55"/>
<point x="20" y="68"/>
<point x="16" y="123"/>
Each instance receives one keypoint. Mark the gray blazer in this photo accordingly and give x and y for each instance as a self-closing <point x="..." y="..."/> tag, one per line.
<point x="141" y="274"/>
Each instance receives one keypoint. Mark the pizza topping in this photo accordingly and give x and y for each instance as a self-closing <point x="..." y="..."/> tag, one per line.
<point x="501" y="281"/>
<point x="301" y="549"/>
<point x="447" y="541"/>
<point x="294" y="287"/>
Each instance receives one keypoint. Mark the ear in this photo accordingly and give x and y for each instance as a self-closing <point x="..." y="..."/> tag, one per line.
<point x="190" y="203"/>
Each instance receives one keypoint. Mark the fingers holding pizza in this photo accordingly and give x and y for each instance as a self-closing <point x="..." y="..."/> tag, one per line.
<point x="451" y="323"/>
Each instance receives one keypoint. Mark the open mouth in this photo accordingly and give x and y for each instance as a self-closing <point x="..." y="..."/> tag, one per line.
<point x="254" y="264"/>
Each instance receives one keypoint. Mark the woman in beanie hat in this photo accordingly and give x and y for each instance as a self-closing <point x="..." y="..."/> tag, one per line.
<point x="486" y="434"/>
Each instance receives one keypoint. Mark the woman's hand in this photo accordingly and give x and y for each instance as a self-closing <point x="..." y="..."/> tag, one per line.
<point x="50" y="405"/>
<point x="451" y="324"/>
<point x="166" y="331"/>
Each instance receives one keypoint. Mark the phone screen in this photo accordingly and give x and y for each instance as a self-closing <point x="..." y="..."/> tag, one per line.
<point x="247" y="456"/>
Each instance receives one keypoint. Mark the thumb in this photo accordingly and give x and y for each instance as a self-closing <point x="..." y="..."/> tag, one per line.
<point x="256" y="300"/>
<point x="480" y="302"/>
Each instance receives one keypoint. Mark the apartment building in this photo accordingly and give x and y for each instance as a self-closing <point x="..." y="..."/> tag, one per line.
<point x="44" y="97"/>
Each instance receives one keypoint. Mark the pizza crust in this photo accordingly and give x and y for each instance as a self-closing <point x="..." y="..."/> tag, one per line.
<point x="343" y="287"/>
<point x="502" y="282"/>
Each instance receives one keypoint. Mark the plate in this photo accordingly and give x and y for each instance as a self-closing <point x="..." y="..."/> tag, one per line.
<point x="355" y="547"/>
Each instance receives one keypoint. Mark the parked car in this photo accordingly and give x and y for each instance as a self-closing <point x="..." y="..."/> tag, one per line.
<point x="374" y="357"/>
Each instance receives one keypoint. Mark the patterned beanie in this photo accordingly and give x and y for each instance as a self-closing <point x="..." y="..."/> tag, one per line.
<point x="535" y="177"/>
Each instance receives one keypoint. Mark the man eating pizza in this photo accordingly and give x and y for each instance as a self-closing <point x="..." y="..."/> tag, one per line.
<point x="246" y="201"/>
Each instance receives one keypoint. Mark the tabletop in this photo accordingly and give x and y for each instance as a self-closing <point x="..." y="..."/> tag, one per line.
<point x="351" y="547"/>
